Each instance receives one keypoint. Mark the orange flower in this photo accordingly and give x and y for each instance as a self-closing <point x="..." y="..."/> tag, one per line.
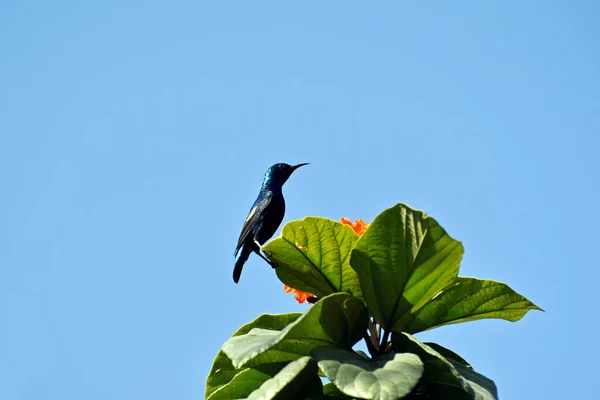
<point x="300" y="296"/>
<point x="359" y="226"/>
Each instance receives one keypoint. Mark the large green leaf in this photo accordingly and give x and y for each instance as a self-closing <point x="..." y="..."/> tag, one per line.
<point x="469" y="299"/>
<point x="448" y="377"/>
<point x="448" y="354"/>
<point x="484" y="388"/>
<point x="332" y="391"/>
<point x="241" y="385"/>
<point x="292" y="382"/>
<point x="313" y="255"/>
<point x="403" y="260"/>
<point x="222" y="371"/>
<point x="338" y="319"/>
<point x="273" y="379"/>
<point x="391" y="376"/>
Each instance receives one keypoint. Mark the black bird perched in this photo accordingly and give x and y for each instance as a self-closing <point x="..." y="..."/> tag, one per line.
<point x="264" y="217"/>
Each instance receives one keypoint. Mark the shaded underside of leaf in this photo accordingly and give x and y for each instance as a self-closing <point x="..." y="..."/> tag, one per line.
<point x="391" y="376"/>
<point x="240" y="386"/>
<point x="484" y="388"/>
<point x="222" y="371"/>
<point x="331" y="390"/>
<point x="337" y="320"/>
<point x="293" y="381"/>
<point x="470" y="299"/>
<point x="445" y="375"/>
<point x="313" y="256"/>
<point x="403" y="260"/>
<point x="448" y="354"/>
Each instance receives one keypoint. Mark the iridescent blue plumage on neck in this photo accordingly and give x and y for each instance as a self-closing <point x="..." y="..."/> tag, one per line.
<point x="277" y="175"/>
<point x="264" y="217"/>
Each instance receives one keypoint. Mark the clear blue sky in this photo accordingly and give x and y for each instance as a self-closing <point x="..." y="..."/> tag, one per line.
<point x="134" y="136"/>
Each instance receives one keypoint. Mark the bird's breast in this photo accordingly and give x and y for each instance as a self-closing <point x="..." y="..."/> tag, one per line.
<point x="271" y="219"/>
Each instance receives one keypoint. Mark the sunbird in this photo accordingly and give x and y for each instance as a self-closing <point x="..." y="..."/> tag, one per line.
<point x="264" y="217"/>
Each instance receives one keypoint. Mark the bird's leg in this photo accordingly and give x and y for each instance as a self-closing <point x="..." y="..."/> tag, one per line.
<point x="271" y="263"/>
<point x="259" y="251"/>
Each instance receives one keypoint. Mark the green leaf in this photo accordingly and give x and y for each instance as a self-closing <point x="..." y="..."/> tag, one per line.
<point x="338" y="320"/>
<point x="450" y="378"/>
<point x="241" y="385"/>
<point x="403" y="260"/>
<point x="222" y="371"/>
<point x="292" y="382"/>
<point x="484" y="388"/>
<point x="469" y="299"/>
<point x="391" y="376"/>
<point x="448" y="354"/>
<point x="332" y="391"/>
<point x="313" y="256"/>
<point x="249" y="380"/>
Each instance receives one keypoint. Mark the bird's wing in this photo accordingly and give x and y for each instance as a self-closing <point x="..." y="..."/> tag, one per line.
<point x="257" y="209"/>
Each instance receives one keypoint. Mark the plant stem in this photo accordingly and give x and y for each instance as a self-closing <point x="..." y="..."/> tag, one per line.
<point x="375" y="332"/>
<point x="384" y="341"/>
<point x="372" y="350"/>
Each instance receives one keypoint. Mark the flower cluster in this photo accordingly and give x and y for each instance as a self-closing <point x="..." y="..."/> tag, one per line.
<point x="298" y="295"/>
<point x="359" y="226"/>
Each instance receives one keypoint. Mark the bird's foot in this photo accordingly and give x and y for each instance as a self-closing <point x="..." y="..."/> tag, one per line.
<point x="267" y="257"/>
<point x="272" y="263"/>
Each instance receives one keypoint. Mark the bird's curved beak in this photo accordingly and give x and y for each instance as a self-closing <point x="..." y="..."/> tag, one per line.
<point x="298" y="166"/>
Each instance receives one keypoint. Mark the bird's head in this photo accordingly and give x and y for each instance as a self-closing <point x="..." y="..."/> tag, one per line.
<point x="279" y="173"/>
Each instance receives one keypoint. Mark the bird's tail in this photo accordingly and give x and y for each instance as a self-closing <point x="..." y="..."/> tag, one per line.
<point x="240" y="260"/>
